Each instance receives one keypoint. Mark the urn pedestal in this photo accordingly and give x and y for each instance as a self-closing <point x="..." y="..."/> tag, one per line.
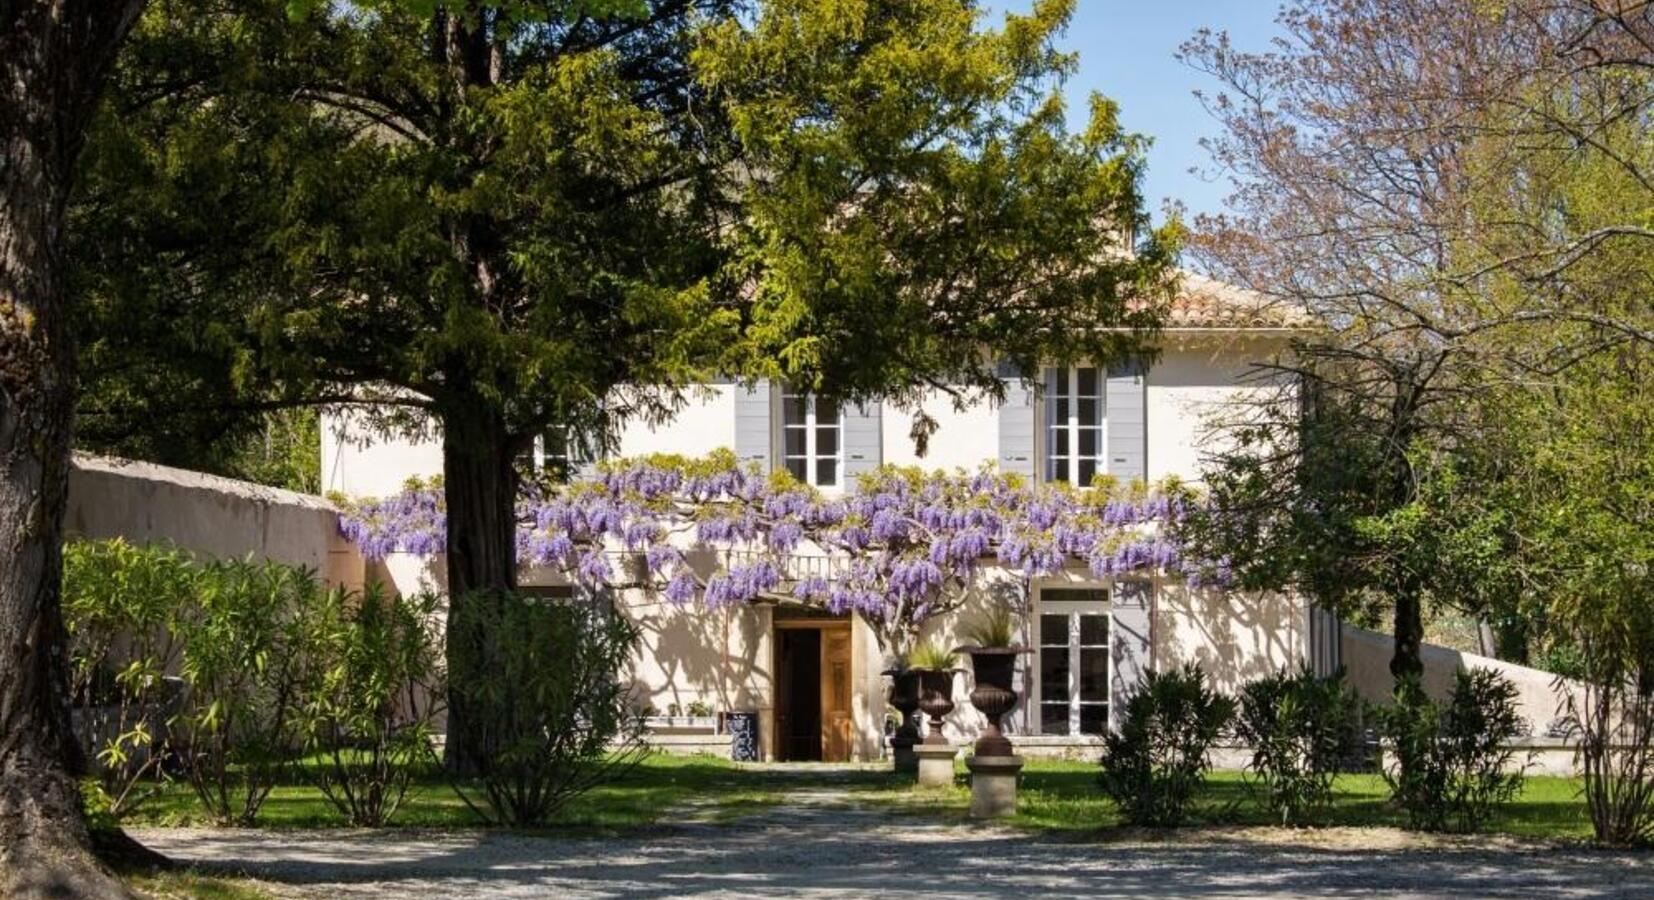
<point x="904" y="697"/>
<point x="935" y="763"/>
<point x="994" y="767"/>
<point x="993" y="785"/>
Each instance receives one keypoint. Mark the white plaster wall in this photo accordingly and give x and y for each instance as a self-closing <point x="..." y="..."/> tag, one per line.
<point x="704" y="424"/>
<point x="1192" y="390"/>
<point x="359" y="464"/>
<point x="1234" y="636"/>
<point x="210" y="516"/>
<point x="963" y="439"/>
<point x="1367" y="655"/>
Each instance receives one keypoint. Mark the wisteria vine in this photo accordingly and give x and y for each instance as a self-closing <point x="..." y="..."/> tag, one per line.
<point x="901" y="547"/>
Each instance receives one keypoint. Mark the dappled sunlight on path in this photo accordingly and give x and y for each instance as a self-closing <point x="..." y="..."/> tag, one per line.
<point x="820" y="842"/>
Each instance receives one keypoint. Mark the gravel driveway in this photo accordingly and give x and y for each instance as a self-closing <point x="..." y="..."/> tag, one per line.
<point x="820" y="846"/>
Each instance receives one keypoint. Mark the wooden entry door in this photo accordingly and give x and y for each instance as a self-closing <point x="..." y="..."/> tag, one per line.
<point x="837" y="735"/>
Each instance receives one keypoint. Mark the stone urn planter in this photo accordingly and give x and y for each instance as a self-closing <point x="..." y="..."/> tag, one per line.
<point x="904" y="697"/>
<point x="936" y="699"/>
<point x="994" y="669"/>
<point x="934" y="752"/>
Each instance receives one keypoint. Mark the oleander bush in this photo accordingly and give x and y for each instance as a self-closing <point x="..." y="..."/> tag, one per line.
<point x="242" y="640"/>
<point x="119" y="605"/>
<point x="1452" y="763"/>
<point x="1300" y="727"/>
<point x="370" y="684"/>
<point x="547" y="716"/>
<point x="1154" y="765"/>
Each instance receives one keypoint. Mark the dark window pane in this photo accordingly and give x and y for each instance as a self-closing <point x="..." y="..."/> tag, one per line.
<point x="1061" y="412"/>
<point x="1088" y="381"/>
<point x="1094" y="673"/>
<point x="1093" y="629"/>
<point x="1087" y="471"/>
<point x="1059" y="470"/>
<point x="827" y="441"/>
<point x="1053" y="629"/>
<point x="798" y="468"/>
<point x="1053" y="718"/>
<point x="795" y="441"/>
<point x="1076" y="595"/>
<point x="826" y="472"/>
<point x="1088" y="442"/>
<point x="1059" y="442"/>
<point x="1093" y="718"/>
<point x="826" y="411"/>
<point x="1053" y="674"/>
<point x="1089" y="412"/>
<point x="792" y="409"/>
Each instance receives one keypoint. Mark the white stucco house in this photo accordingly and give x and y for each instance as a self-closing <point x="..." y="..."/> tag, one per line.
<point x="814" y="681"/>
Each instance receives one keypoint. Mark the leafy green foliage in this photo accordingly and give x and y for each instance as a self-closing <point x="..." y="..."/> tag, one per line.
<point x="372" y="679"/>
<point x="930" y="655"/>
<point x="996" y="628"/>
<point x="1301" y="728"/>
<point x="551" y="716"/>
<point x="119" y="605"/>
<point x="242" y="645"/>
<point x="290" y="204"/>
<point x="1454" y="765"/>
<point x="1154" y="765"/>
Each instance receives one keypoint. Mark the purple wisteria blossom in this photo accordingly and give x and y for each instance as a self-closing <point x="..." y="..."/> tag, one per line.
<point x="898" y="548"/>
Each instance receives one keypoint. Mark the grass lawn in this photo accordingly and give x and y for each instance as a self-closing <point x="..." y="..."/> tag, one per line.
<point x="1055" y="796"/>
<point x="715" y="787"/>
<point x="1065" y="797"/>
<point x="188" y="885"/>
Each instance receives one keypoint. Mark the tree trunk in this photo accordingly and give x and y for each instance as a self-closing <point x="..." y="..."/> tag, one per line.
<point x="1409" y="631"/>
<point x="54" y="57"/>
<point x="480" y="489"/>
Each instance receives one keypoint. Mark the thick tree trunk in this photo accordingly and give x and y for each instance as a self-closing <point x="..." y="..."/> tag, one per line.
<point x="480" y="489"/>
<point x="54" y="57"/>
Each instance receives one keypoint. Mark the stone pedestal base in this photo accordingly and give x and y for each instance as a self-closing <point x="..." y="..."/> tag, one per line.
<point x="935" y="764"/>
<point x="993" y="785"/>
<point x="906" y="760"/>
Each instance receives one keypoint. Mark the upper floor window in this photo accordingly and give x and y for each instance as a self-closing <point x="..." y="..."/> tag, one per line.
<point x="556" y="454"/>
<point x="811" y="444"/>
<point x="1074" y="422"/>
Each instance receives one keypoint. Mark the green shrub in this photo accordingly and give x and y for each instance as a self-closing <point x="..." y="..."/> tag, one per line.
<point x="546" y="716"/>
<point x="119" y="606"/>
<point x="241" y="661"/>
<point x="1609" y="716"/>
<point x="1155" y="763"/>
<point x="1300" y="728"/>
<point x="1453" y="764"/>
<point x="372" y="673"/>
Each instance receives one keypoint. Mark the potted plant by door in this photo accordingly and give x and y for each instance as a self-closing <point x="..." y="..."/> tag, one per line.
<point x="993" y="664"/>
<point x="904" y="696"/>
<point x="936" y="666"/>
<point x="994" y="767"/>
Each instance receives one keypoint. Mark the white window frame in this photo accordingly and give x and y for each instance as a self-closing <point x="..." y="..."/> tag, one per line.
<point x="1073" y="609"/>
<point x="1072" y="426"/>
<point x="809" y="426"/>
<point x="572" y="455"/>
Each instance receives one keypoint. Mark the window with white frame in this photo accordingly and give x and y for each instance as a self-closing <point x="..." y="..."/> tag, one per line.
<point x="811" y="438"/>
<point x="1073" y="661"/>
<point x="1074" y="423"/>
<point x="555" y="454"/>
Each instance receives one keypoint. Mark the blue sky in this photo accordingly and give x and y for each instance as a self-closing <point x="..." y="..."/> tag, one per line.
<point x="1126" y="51"/>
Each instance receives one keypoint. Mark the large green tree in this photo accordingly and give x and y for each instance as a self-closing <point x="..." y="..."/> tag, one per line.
<point x="54" y="60"/>
<point x="497" y="219"/>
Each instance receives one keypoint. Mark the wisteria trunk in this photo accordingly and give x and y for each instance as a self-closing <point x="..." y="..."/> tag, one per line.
<point x="54" y="58"/>
<point x="480" y="489"/>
